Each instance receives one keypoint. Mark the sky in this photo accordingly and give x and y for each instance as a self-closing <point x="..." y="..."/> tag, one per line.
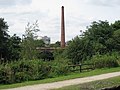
<point x="78" y="15"/>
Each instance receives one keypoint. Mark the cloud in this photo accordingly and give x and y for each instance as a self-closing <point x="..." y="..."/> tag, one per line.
<point x="78" y="15"/>
<point x="9" y="3"/>
<point x="108" y="3"/>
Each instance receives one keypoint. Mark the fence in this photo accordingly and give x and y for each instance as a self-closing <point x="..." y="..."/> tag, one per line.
<point x="82" y="67"/>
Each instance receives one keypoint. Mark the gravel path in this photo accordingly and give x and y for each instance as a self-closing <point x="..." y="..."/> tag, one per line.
<point x="60" y="84"/>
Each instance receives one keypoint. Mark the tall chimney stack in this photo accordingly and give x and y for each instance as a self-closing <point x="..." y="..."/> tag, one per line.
<point x="62" y="28"/>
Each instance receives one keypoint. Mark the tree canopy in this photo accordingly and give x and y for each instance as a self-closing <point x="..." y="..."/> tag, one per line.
<point x="29" y="42"/>
<point x="99" y="38"/>
<point x="9" y="46"/>
<point x="3" y="39"/>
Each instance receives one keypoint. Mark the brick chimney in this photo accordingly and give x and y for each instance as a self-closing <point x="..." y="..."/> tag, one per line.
<point x="62" y="28"/>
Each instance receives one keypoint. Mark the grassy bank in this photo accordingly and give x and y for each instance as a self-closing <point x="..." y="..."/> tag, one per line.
<point x="96" y="85"/>
<point x="61" y="78"/>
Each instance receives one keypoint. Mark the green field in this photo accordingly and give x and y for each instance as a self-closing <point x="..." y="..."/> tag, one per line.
<point x="96" y="85"/>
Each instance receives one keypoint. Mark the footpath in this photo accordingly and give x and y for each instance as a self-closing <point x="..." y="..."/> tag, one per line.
<point x="60" y="84"/>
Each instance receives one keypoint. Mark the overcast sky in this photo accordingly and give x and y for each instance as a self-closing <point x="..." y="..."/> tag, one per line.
<point x="78" y="15"/>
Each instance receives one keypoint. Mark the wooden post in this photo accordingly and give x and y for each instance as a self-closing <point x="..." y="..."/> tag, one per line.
<point x="80" y="67"/>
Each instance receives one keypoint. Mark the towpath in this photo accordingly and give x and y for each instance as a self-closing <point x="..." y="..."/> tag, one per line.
<point x="60" y="84"/>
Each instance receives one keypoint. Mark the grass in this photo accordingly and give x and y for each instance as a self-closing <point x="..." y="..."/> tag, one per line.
<point x="96" y="85"/>
<point x="61" y="78"/>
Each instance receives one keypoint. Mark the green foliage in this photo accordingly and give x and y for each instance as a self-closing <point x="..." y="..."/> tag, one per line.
<point x="29" y="50"/>
<point x="14" y="47"/>
<point x="56" y="44"/>
<point x="61" y="78"/>
<point x="21" y="76"/>
<point x="39" y="43"/>
<point x="79" y="49"/>
<point x="25" y="70"/>
<point x="99" y="33"/>
<point x="29" y="43"/>
<point x="4" y="37"/>
<point x="46" y="55"/>
<point x="6" y="74"/>
<point x="31" y="30"/>
<point x="99" y="38"/>
<point x="116" y="37"/>
<point x="30" y="70"/>
<point x="116" y="25"/>
<point x="102" y="61"/>
<point x="9" y="46"/>
<point x="59" y="53"/>
<point x="73" y="50"/>
<point x="58" y="68"/>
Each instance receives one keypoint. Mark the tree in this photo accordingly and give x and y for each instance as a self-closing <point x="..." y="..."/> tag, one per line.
<point x="56" y="44"/>
<point x="74" y="50"/>
<point x="39" y="43"/>
<point x="4" y="37"/>
<point x="14" y="47"/>
<point x="99" y="38"/>
<point x="80" y="49"/>
<point x="116" y="40"/>
<point x="46" y="55"/>
<point x="31" y="30"/>
<point x="28" y="43"/>
<point x="100" y="32"/>
<point x="9" y="46"/>
<point x="116" y="25"/>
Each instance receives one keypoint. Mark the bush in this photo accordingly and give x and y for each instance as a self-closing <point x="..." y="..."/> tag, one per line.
<point x="25" y="70"/>
<point x="30" y="70"/>
<point x="43" y="69"/>
<point x="6" y="74"/>
<point x="59" y="67"/>
<point x="20" y="77"/>
<point x="102" y="61"/>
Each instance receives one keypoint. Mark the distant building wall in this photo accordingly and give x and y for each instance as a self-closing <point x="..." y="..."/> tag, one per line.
<point x="46" y="40"/>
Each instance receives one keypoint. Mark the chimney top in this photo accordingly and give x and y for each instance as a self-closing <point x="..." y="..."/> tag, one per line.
<point x="62" y="28"/>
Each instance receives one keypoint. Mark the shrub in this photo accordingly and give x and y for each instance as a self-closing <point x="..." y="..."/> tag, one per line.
<point x="30" y="70"/>
<point x="102" y="61"/>
<point x="59" y="67"/>
<point x="25" y="70"/>
<point x="6" y="74"/>
<point x="20" y="77"/>
<point x="43" y="69"/>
